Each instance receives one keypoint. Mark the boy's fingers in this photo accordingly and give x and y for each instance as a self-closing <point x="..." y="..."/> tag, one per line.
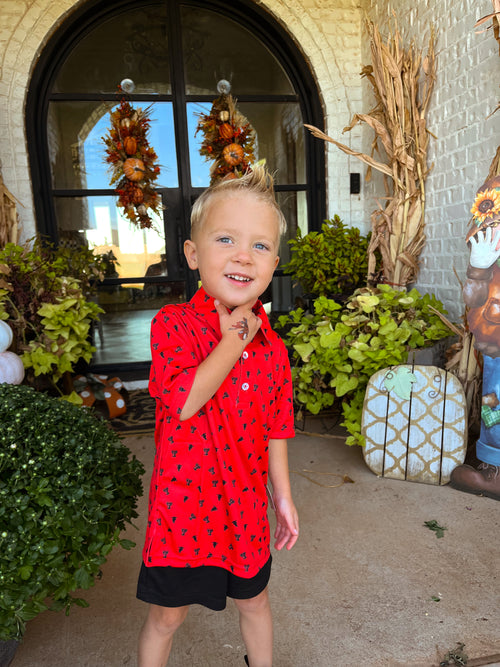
<point x="220" y="308"/>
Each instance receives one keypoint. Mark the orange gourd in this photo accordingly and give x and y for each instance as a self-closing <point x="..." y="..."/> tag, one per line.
<point x="226" y="131"/>
<point x="130" y="145"/>
<point x="134" y="169"/>
<point x="233" y="154"/>
<point x="137" y="196"/>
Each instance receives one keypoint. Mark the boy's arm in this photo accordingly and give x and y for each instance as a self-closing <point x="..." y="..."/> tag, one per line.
<point x="287" y="521"/>
<point x="213" y="370"/>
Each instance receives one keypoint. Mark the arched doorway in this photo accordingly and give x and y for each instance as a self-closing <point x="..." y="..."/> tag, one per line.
<point x="175" y="52"/>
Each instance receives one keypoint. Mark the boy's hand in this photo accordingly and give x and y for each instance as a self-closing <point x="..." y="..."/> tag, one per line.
<point x="287" y="524"/>
<point x="241" y="322"/>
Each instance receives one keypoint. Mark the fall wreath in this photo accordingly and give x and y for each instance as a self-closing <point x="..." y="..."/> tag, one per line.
<point x="133" y="163"/>
<point x="228" y="139"/>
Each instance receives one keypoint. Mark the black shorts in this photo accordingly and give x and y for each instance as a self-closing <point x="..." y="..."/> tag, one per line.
<point x="207" y="585"/>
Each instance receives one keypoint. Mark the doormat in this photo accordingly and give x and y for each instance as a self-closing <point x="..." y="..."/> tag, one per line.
<point x="140" y="416"/>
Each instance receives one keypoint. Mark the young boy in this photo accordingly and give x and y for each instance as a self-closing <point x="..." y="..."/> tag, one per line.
<point x="221" y="379"/>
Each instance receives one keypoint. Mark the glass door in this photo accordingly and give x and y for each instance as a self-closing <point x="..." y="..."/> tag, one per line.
<point x="175" y="52"/>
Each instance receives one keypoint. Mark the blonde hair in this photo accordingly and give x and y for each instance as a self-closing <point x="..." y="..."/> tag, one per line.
<point x="258" y="182"/>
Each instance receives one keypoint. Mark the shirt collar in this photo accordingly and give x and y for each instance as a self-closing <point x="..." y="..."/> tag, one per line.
<point x="203" y="306"/>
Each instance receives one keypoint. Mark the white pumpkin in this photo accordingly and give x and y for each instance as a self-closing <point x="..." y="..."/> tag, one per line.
<point x="5" y="336"/>
<point x="11" y="368"/>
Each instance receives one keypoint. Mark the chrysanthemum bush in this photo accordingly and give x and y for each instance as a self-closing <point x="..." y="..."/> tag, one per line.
<point x="338" y="348"/>
<point x="68" y="487"/>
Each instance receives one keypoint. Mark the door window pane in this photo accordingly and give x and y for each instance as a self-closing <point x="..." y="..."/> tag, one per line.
<point x="132" y="45"/>
<point x="77" y="151"/>
<point x="200" y="166"/>
<point x="100" y="224"/>
<point x="280" y="138"/>
<point x="216" y="47"/>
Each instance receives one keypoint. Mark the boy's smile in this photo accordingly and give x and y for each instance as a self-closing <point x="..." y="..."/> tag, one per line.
<point x="235" y="249"/>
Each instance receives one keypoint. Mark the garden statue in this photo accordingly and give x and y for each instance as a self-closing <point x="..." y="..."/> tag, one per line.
<point x="482" y="296"/>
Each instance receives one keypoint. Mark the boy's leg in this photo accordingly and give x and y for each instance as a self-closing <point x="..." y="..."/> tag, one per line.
<point x="155" y="639"/>
<point x="257" y="629"/>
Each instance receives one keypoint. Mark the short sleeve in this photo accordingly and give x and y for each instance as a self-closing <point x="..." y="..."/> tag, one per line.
<point x="283" y="423"/>
<point x="173" y="366"/>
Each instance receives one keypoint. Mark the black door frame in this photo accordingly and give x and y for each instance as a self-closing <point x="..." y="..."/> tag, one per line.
<point x="83" y="19"/>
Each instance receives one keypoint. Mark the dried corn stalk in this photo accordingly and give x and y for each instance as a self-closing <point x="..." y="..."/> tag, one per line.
<point x="402" y="82"/>
<point x="9" y="219"/>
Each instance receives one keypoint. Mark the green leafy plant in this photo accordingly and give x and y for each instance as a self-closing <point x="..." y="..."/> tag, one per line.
<point x="338" y="348"/>
<point x="47" y="308"/>
<point x="332" y="261"/>
<point x="68" y="487"/>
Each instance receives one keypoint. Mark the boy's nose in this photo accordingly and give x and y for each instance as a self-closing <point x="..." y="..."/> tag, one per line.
<point x="243" y="256"/>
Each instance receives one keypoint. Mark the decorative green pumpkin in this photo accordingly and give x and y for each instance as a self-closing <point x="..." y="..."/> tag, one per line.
<point x="11" y="368"/>
<point x="5" y="336"/>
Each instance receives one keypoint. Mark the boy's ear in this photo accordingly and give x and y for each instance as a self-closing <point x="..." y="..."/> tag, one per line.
<point x="276" y="262"/>
<point x="191" y="254"/>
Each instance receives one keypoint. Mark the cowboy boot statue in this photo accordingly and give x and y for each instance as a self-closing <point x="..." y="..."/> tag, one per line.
<point x="482" y="294"/>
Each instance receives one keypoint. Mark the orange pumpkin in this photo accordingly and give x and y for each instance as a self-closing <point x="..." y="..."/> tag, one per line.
<point x="134" y="169"/>
<point x="226" y="131"/>
<point x="130" y="145"/>
<point x="137" y="196"/>
<point x="232" y="154"/>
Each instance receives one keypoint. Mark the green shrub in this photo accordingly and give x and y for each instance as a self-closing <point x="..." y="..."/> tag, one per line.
<point x="337" y="349"/>
<point x="332" y="261"/>
<point x="47" y="307"/>
<point x="68" y="486"/>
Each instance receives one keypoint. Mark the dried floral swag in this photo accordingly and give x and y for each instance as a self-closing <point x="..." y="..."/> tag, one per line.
<point x="133" y="163"/>
<point x="228" y="139"/>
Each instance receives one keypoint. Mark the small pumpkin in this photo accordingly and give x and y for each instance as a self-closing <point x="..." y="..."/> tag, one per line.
<point x="130" y="145"/>
<point x="137" y="196"/>
<point x="11" y="368"/>
<point x="226" y="131"/>
<point x="233" y="154"/>
<point x="224" y="115"/>
<point x="5" y="336"/>
<point x="133" y="168"/>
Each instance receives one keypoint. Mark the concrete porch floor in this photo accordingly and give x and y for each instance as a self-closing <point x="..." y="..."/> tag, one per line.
<point x="356" y="590"/>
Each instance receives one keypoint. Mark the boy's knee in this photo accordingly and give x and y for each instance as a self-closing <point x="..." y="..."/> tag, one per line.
<point x="257" y="604"/>
<point x="167" y="620"/>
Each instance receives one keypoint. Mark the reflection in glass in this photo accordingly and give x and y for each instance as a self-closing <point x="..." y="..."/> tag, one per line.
<point x="215" y="47"/>
<point x="123" y="332"/>
<point x="77" y="151"/>
<point x="98" y="223"/>
<point x="280" y="138"/>
<point x="131" y="45"/>
<point x="200" y="166"/>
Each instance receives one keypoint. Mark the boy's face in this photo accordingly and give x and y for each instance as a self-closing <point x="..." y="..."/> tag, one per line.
<point x="235" y="249"/>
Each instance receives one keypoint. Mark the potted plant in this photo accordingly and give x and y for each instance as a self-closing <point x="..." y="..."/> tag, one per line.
<point x="68" y="487"/>
<point x="337" y="348"/>
<point x="43" y="295"/>
<point x="331" y="262"/>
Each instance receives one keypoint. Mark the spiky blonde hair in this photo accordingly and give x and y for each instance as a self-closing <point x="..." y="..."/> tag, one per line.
<point x="258" y="182"/>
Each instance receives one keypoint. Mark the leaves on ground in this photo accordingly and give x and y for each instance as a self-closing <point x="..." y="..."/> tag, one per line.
<point x="433" y="525"/>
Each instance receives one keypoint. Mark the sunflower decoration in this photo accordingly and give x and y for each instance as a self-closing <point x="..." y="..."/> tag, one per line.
<point x="486" y="207"/>
<point x="133" y="163"/>
<point x="228" y="138"/>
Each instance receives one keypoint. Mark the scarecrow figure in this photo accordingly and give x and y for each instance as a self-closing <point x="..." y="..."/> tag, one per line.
<point x="482" y="296"/>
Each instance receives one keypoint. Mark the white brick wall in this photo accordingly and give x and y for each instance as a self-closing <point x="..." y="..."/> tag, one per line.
<point x="465" y="92"/>
<point x="331" y="37"/>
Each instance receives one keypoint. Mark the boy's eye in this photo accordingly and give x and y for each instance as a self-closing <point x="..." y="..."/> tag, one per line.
<point x="261" y="246"/>
<point x="224" y="239"/>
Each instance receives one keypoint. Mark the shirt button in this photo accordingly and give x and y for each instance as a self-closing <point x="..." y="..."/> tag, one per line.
<point x="245" y="355"/>
<point x="245" y="386"/>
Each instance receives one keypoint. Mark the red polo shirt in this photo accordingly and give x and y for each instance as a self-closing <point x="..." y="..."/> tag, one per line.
<point x="208" y="502"/>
